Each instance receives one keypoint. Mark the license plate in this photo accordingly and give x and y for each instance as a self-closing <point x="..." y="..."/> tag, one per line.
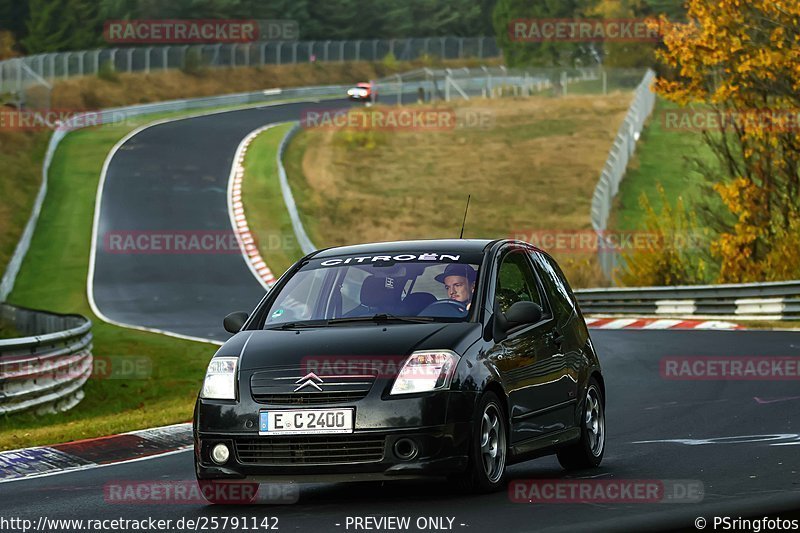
<point x="305" y="421"/>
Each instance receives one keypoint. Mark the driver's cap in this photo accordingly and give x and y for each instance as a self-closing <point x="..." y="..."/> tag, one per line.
<point x="465" y="271"/>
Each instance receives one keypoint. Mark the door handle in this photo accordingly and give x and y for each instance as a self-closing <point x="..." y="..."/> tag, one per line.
<point x="558" y="338"/>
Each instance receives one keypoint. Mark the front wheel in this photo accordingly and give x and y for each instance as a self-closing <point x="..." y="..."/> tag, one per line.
<point x="588" y="451"/>
<point x="488" y="449"/>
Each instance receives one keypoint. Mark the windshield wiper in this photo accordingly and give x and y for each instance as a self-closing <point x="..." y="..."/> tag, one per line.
<point x="293" y="325"/>
<point x="382" y="317"/>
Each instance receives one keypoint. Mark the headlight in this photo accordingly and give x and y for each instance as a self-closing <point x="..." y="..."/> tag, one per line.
<point x="220" y="382"/>
<point x="426" y="371"/>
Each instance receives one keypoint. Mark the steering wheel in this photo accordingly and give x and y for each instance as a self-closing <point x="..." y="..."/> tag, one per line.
<point x="445" y="308"/>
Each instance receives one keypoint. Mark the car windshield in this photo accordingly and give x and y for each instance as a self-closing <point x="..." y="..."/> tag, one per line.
<point x="392" y="286"/>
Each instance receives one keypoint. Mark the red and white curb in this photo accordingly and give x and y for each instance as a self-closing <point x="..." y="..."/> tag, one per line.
<point x="85" y="454"/>
<point x="658" y="323"/>
<point x="244" y="235"/>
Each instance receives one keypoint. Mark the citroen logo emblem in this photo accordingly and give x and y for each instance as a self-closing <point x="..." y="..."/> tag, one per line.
<point x="310" y="379"/>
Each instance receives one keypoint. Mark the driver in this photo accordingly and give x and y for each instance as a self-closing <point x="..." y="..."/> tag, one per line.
<point x="459" y="282"/>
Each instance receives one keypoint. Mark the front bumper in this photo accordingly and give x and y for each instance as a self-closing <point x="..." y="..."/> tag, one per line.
<point x="437" y="428"/>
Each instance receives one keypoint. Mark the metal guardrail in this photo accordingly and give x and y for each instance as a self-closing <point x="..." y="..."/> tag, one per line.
<point x="756" y="301"/>
<point x="46" y="369"/>
<point x="616" y="164"/>
<point x="288" y="199"/>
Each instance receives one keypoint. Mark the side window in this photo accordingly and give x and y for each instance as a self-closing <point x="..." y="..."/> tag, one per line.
<point x="554" y="282"/>
<point x="516" y="282"/>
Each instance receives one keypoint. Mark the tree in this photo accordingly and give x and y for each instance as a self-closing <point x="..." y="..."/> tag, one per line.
<point x="743" y="60"/>
<point x="56" y="25"/>
<point x="517" y="53"/>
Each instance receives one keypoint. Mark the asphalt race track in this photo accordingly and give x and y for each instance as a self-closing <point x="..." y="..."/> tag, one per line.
<point x="740" y="439"/>
<point x="745" y="476"/>
<point x="173" y="178"/>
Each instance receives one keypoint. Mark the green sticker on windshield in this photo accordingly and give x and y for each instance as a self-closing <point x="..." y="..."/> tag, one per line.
<point x="277" y="313"/>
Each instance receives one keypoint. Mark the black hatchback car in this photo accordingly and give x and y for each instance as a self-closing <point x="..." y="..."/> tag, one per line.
<point x="403" y="359"/>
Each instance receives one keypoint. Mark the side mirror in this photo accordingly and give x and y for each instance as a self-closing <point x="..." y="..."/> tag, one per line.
<point x="233" y="322"/>
<point x="524" y="313"/>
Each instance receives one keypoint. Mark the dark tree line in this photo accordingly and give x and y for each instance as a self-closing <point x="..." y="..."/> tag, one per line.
<point x="57" y="25"/>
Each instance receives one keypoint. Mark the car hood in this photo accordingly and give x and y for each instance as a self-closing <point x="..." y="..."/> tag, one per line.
<point x="260" y="349"/>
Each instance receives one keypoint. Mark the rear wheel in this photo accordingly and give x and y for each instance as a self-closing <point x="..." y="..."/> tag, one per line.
<point x="228" y="493"/>
<point x="588" y="451"/>
<point x="488" y="449"/>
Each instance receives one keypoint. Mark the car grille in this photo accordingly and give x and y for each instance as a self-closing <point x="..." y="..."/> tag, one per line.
<point x="310" y="450"/>
<point x="278" y="387"/>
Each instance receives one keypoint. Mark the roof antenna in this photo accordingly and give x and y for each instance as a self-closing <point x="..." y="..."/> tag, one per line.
<point x="465" y="218"/>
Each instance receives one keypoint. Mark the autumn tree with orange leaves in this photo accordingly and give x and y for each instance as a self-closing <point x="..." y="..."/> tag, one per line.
<point x="742" y="58"/>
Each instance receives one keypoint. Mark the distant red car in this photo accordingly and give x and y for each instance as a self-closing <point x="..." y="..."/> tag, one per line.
<point x="362" y="92"/>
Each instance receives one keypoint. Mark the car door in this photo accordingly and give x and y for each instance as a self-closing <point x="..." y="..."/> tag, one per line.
<point x="526" y="359"/>
<point x="568" y="328"/>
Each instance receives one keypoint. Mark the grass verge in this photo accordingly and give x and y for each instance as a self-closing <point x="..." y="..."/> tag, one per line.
<point x="21" y="155"/>
<point x="663" y="157"/>
<point x="263" y="203"/>
<point x="530" y="171"/>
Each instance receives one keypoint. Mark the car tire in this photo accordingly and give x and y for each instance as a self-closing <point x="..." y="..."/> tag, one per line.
<point x="588" y="451"/>
<point x="488" y="453"/>
<point x="227" y="493"/>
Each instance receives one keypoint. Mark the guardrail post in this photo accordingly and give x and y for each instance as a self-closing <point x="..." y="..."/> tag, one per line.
<point x="325" y="50"/>
<point x="358" y="50"/>
<point x="399" y="90"/>
<point x="130" y="59"/>
<point x="278" y="50"/>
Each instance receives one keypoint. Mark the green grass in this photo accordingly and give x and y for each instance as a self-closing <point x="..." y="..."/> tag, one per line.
<point x="263" y="203"/>
<point x="21" y="155"/>
<point x="662" y="157"/>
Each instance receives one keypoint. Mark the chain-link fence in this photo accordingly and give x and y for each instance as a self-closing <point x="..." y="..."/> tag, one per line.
<point x="154" y="58"/>
<point x="614" y="169"/>
<point x="491" y="82"/>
